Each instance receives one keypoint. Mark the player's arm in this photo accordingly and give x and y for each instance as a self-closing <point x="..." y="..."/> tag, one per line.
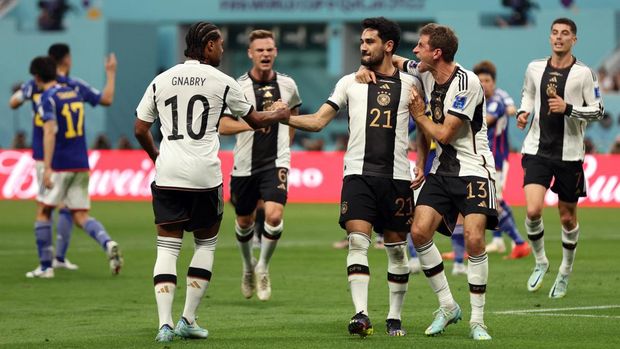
<point x="262" y="119"/>
<point x="291" y="130"/>
<point x="107" y="95"/>
<point x="142" y="132"/>
<point x="231" y="126"/>
<point x="49" y="142"/>
<point x="592" y="109"/>
<point x="314" y="122"/>
<point x="423" y="146"/>
<point x="528" y="94"/>
<point x="443" y="133"/>
<point x="17" y="99"/>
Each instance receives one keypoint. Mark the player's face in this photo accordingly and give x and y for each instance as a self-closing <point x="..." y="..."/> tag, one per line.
<point x="488" y="84"/>
<point x="371" y="48"/>
<point x="562" y="39"/>
<point x="215" y="51"/>
<point x="425" y="53"/>
<point x="263" y="53"/>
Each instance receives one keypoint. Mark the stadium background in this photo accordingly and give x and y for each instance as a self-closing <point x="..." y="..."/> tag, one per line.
<point x="311" y="305"/>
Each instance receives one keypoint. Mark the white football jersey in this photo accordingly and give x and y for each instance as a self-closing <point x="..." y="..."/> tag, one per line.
<point x="553" y="135"/>
<point x="268" y="148"/>
<point x="378" y="124"/>
<point x="468" y="153"/>
<point x="189" y="100"/>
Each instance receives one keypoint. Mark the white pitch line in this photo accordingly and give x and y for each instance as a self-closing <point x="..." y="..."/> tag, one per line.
<point x="525" y="311"/>
<point x="569" y="315"/>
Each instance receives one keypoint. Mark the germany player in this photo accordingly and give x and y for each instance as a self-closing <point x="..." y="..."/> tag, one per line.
<point x="189" y="100"/>
<point x="376" y="189"/>
<point x="563" y="95"/>
<point x="261" y="162"/>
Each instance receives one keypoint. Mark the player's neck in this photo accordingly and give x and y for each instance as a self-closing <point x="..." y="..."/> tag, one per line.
<point x="385" y="68"/>
<point x="561" y="61"/>
<point x="48" y="85"/>
<point x="62" y="71"/>
<point x="262" y="75"/>
<point x="443" y="71"/>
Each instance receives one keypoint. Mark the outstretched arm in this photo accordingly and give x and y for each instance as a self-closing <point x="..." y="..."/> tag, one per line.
<point x="107" y="95"/>
<point x="231" y="126"/>
<point x="313" y="122"/>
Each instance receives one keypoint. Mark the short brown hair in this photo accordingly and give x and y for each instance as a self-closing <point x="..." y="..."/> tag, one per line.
<point x="569" y="22"/>
<point x="261" y="34"/>
<point x="443" y="38"/>
<point x="485" y="67"/>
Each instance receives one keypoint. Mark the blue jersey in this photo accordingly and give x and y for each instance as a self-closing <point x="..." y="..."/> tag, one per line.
<point x="498" y="132"/>
<point x="31" y="92"/>
<point x="66" y="106"/>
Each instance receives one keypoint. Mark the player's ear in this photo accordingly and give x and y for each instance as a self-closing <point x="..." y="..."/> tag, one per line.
<point x="249" y="52"/>
<point x="389" y="46"/>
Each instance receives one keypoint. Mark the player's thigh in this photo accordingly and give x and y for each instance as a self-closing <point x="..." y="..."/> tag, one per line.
<point x="205" y="211"/>
<point x="534" y="200"/>
<point x="569" y="181"/>
<point x="536" y="170"/>
<point x="395" y="204"/>
<point x="169" y="207"/>
<point x="474" y="195"/>
<point x="274" y="211"/>
<point x="244" y="194"/>
<point x="77" y="197"/>
<point x="434" y="195"/>
<point x="56" y="195"/>
<point x="425" y="221"/>
<point x="358" y="201"/>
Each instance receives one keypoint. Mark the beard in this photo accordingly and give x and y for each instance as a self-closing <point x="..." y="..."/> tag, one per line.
<point x="372" y="61"/>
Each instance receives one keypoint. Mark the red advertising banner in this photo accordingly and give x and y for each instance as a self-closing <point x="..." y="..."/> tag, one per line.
<point x="314" y="177"/>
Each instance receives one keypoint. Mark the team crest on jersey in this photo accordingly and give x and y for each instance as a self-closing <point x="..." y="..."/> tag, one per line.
<point x="459" y="102"/>
<point x="383" y="99"/>
<point x="344" y="207"/>
<point x="551" y="90"/>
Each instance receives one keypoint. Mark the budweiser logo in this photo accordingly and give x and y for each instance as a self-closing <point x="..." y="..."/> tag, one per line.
<point x="116" y="181"/>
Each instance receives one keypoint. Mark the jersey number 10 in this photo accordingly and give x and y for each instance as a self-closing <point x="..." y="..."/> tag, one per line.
<point x="173" y="101"/>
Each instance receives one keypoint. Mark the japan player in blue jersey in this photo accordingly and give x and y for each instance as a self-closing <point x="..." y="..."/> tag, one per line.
<point x="65" y="167"/>
<point x="29" y="91"/>
<point x="497" y="121"/>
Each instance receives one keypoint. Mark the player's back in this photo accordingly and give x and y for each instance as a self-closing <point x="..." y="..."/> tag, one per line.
<point x="189" y="99"/>
<point x="66" y="106"/>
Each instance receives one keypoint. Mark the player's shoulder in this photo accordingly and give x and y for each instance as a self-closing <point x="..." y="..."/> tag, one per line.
<point x="581" y="67"/>
<point x="285" y="78"/>
<point x="538" y="63"/>
<point x="465" y="79"/>
<point x="347" y="79"/>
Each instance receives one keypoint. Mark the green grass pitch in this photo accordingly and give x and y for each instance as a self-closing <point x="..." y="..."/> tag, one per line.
<point x="310" y="305"/>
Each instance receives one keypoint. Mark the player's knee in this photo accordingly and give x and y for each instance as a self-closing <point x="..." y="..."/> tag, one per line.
<point x="274" y="219"/>
<point x="568" y="220"/>
<point x="534" y="213"/>
<point x="245" y="222"/>
<point x="474" y="242"/>
<point x="358" y="242"/>
<point x="418" y="235"/>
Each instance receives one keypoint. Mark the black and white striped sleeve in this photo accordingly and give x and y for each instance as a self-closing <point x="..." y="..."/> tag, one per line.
<point x="592" y="108"/>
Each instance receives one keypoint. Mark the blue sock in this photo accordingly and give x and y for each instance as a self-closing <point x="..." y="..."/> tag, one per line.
<point x="458" y="243"/>
<point x="64" y="227"/>
<point x="412" y="252"/>
<point x="497" y="233"/>
<point x="97" y="232"/>
<point x="507" y="224"/>
<point x="43" y="235"/>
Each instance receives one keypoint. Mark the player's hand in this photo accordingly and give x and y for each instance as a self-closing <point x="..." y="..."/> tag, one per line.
<point x="277" y="105"/>
<point x="365" y="76"/>
<point x="416" y="104"/>
<point x="418" y="178"/>
<point x="110" y="63"/>
<point x="47" y="178"/>
<point x="522" y="119"/>
<point x="557" y="104"/>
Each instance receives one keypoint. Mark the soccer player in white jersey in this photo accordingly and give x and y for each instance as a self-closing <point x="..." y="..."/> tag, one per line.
<point x="376" y="189"/>
<point x="261" y="162"/>
<point x="563" y="95"/>
<point x="189" y="100"/>
<point x="461" y="179"/>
